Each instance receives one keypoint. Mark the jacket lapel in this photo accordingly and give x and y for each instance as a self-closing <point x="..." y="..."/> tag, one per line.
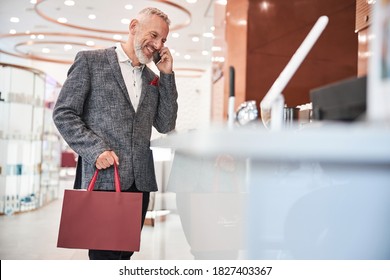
<point x="116" y="70"/>
<point x="146" y="78"/>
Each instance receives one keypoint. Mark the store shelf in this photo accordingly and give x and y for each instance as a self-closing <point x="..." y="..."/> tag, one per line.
<point x="29" y="144"/>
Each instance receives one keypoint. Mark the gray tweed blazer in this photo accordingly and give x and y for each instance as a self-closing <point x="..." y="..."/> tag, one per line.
<point x="94" y="113"/>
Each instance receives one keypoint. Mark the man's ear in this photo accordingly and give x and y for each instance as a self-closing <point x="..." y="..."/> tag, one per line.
<point x="133" y="26"/>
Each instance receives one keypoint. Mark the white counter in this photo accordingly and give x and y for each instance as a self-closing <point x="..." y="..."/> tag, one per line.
<point x="322" y="192"/>
<point x="330" y="142"/>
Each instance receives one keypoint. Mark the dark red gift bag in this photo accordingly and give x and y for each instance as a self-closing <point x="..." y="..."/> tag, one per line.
<point x="101" y="220"/>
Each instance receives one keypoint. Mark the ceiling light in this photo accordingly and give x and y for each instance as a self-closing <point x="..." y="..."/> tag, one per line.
<point x="362" y="38"/>
<point x="117" y="37"/>
<point x="205" y="52"/>
<point x="264" y="6"/>
<point x="33" y="36"/>
<point x="221" y="2"/>
<point x="90" y="43"/>
<point x="62" y="20"/>
<point x="33" y="1"/>
<point x="212" y="28"/>
<point x="129" y="7"/>
<point x="69" y="3"/>
<point x="12" y="31"/>
<point x="208" y="35"/>
<point x="218" y="59"/>
<point x="195" y="39"/>
<point x="92" y="16"/>
<point x="242" y="22"/>
<point x="68" y="47"/>
<point x="192" y="1"/>
<point x="216" y="49"/>
<point x="177" y="54"/>
<point x="125" y="21"/>
<point x="41" y="36"/>
<point x="14" y="19"/>
<point x="187" y="56"/>
<point x="175" y="35"/>
<point x="45" y="50"/>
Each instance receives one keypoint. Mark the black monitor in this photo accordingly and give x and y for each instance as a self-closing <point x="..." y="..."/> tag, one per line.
<point x="342" y="101"/>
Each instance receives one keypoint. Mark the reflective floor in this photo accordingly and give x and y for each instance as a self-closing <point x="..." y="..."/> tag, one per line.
<point x="33" y="236"/>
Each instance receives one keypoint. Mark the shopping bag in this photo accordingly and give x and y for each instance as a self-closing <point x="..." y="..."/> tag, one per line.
<point x="101" y="220"/>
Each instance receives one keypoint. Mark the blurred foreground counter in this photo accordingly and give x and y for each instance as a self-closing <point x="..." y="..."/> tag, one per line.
<point x="318" y="192"/>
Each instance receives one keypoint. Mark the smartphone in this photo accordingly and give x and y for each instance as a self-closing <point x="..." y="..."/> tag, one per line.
<point x="156" y="57"/>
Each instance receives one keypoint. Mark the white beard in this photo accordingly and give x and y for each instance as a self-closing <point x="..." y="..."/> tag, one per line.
<point x="140" y="55"/>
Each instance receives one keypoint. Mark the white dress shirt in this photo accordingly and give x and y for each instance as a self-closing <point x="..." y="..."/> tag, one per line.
<point x="131" y="76"/>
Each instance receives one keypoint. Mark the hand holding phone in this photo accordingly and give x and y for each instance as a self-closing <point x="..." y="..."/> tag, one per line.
<point x="156" y="57"/>
<point x="163" y="60"/>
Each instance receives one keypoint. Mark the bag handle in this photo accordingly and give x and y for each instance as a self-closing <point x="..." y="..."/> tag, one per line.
<point x="117" y="183"/>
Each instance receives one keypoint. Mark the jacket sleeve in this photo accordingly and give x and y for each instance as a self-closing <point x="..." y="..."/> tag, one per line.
<point x="69" y="111"/>
<point x="165" y="120"/>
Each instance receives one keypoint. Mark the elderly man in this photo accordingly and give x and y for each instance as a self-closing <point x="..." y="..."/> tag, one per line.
<point x="108" y="105"/>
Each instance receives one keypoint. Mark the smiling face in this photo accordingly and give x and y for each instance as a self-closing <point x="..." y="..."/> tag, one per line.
<point x="150" y="34"/>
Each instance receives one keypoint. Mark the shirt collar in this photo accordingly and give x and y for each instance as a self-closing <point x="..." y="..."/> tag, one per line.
<point x="122" y="56"/>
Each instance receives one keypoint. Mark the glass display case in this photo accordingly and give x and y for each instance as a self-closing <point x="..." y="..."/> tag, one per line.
<point x="30" y="146"/>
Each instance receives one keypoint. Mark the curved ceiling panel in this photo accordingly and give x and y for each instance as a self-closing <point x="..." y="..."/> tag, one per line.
<point x="111" y="21"/>
<point x="53" y="31"/>
<point x="60" y="47"/>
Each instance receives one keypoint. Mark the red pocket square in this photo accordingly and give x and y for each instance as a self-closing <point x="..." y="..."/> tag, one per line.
<point x="154" y="82"/>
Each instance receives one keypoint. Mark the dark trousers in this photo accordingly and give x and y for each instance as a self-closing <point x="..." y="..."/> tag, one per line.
<point x="121" y="255"/>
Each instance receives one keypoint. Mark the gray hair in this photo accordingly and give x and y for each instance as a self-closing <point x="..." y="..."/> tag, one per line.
<point x="154" y="11"/>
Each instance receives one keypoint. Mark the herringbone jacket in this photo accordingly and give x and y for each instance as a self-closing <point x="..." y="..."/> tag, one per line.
<point x="94" y="113"/>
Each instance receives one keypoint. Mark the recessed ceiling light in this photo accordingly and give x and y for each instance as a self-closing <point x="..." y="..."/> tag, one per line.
<point x="68" y="47"/>
<point x="205" y="52"/>
<point x="33" y="36"/>
<point x="187" y="56"/>
<point x="41" y="36"/>
<point x="117" y="37"/>
<point x="125" y="21"/>
<point x="242" y="22"/>
<point x="195" y="39"/>
<point x="129" y="7"/>
<point x="12" y="31"/>
<point x="216" y="49"/>
<point x="218" y="59"/>
<point x="221" y="2"/>
<point x="92" y="16"/>
<point x="62" y="20"/>
<point x="69" y="3"/>
<point x="208" y="35"/>
<point x="45" y="50"/>
<point x="175" y="35"/>
<point x="90" y="43"/>
<point x="14" y="19"/>
<point x="192" y="1"/>
<point x="264" y="6"/>
<point x="33" y="1"/>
